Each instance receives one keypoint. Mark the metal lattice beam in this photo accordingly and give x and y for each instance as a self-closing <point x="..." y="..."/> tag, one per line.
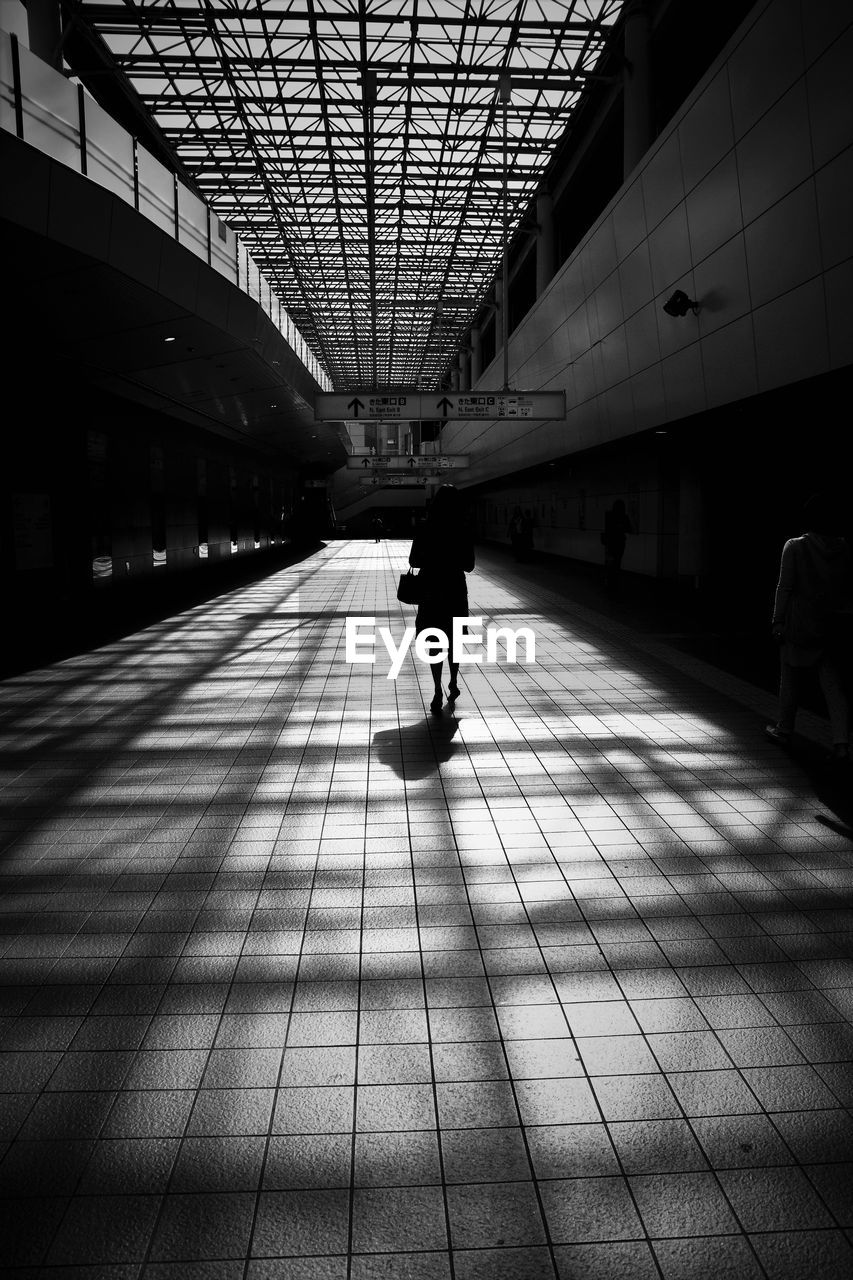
<point x="356" y="146"/>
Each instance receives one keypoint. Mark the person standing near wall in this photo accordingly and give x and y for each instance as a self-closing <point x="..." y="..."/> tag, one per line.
<point x="617" y="525"/>
<point x="528" y="524"/>
<point x="515" y="532"/>
<point x="812" y="616"/>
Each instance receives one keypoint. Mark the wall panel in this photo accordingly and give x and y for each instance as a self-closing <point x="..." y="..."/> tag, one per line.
<point x="743" y="202"/>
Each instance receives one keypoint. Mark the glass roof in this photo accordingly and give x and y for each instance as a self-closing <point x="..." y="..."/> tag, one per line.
<point x="357" y="147"/>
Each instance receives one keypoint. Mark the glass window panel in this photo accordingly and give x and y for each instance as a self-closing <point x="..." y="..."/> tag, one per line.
<point x="346" y="193"/>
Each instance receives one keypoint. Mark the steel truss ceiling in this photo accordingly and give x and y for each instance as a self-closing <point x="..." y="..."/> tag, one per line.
<point x="357" y="148"/>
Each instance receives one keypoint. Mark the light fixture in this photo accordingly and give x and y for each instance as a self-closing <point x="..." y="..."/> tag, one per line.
<point x="679" y="304"/>
<point x="170" y="339"/>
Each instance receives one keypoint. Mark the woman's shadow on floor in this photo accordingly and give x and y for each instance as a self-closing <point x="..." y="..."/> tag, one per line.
<point x="416" y="750"/>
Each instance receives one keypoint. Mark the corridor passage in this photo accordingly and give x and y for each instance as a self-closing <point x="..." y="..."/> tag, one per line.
<point x="302" y="983"/>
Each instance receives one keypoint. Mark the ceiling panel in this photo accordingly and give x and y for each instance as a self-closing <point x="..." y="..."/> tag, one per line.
<point x="361" y="149"/>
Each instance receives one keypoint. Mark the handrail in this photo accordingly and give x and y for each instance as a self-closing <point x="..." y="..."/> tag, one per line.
<point x="50" y="112"/>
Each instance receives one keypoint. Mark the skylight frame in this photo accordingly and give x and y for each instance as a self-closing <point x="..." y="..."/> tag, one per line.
<point x="356" y="148"/>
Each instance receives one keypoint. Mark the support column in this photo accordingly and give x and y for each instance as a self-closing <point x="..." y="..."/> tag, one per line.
<point x="454" y="379"/>
<point x="636" y="90"/>
<point x="545" y="256"/>
<point x="476" y="363"/>
<point x="500" y="326"/>
<point x="464" y="367"/>
<point x="44" y="31"/>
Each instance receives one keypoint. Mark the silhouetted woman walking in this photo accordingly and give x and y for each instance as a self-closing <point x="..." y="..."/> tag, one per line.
<point x="443" y="550"/>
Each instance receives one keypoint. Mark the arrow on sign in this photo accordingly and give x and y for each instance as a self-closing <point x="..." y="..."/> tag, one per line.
<point x="445" y="404"/>
<point x="355" y="405"/>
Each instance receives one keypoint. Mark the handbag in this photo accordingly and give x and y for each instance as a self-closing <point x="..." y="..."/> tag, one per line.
<point x="408" y="588"/>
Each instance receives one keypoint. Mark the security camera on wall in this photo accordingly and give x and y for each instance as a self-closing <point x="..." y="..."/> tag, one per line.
<point x="679" y="304"/>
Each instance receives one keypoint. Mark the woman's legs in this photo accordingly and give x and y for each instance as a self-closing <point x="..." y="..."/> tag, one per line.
<point x="787" y="697"/>
<point x="836" y="701"/>
<point x="438" y="696"/>
<point x="789" y="678"/>
<point x="445" y="651"/>
<point x="437" y="682"/>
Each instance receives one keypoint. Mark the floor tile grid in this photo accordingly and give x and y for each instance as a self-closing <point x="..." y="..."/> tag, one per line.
<point x="519" y="895"/>
<point x="821" y="839"/>
<point x="164" y="1242"/>
<point x="508" y="856"/>
<point x="685" y="807"/>
<point x="541" y="1262"/>
<point x="685" y="685"/>
<point x="373" y="686"/>
<point x="758" y="700"/>
<point x="441" y="1247"/>
<point x="335" y="841"/>
<point x="69" y="669"/>
<point x="451" y="856"/>
<point x="182" y="1136"/>
<point x="363" y="608"/>
<point x="362" y="1219"/>
<point x="322" y="796"/>
<point x="484" y="967"/>
<point x="471" y="611"/>
<point x="820" y="842"/>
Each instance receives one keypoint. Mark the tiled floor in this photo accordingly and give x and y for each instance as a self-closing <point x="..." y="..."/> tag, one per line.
<point x="299" y="982"/>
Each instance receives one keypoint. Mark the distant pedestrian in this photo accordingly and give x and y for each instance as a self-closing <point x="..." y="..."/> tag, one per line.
<point x="528" y="524"/>
<point x="443" y="550"/>
<point x="515" y="532"/>
<point x="378" y="528"/>
<point x="617" y="526"/>
<point x="812" y="616"/>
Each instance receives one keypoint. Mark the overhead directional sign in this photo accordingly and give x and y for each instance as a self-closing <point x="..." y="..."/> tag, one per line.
<point x="414" y="406"/>
<point x="367" y="406"/>
<point x="502" y="404"/>
<point x="398" y="482"/>
<point x="407" y="462"/>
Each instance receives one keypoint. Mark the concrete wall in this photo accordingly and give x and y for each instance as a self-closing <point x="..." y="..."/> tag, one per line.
<point x="97" y="492"/>
<point x="568" y="511"/>
<point x="746" y="203"/>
